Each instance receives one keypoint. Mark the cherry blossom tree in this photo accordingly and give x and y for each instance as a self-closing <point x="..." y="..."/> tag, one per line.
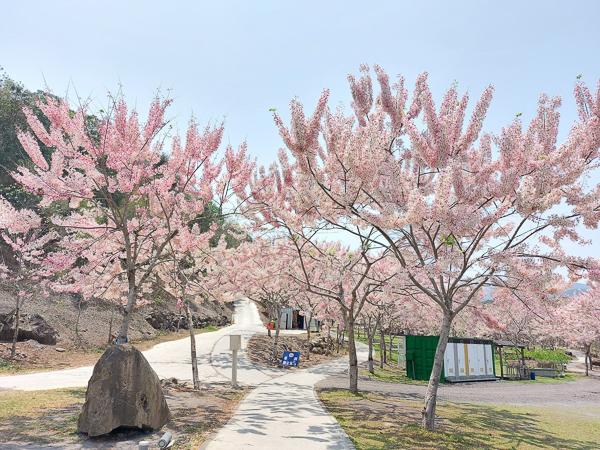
<point x="459" y="209"/>
<point x="260" y="270"/>
<point x="191" y="271"/>
<point x="128" y="200"/>
<point x="22" y="231"/>
<point x="344" y="280"/>
<point x="310" y="306"/>
<point x="578" y="322"/>
<point x="514" y="318"/>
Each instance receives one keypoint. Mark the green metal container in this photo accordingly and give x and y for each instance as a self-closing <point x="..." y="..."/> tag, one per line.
<point x="420" y="353"/>
<point x="479" y="365"/>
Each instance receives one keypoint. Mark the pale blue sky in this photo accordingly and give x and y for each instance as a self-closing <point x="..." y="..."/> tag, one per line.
<point x="240" y="58"/>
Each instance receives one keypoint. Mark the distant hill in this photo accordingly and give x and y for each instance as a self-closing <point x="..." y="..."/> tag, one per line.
<point x="576" y="288"/>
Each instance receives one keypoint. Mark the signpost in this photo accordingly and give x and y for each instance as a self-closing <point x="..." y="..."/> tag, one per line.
<point x="290" y="359"/>
<point x="235" y="344"/>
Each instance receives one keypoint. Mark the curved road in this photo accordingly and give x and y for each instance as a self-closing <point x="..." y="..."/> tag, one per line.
<point x="282" y="410"/>
<point x="172" y="359"/>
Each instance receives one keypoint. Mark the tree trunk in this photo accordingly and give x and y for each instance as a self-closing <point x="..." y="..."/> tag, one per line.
<point x="269" y="322"/>
<point x="190" y="323"/>
<point x="370" y="341"/>
<point x="308" y="337"/>
<point x="382" y="348"/>
<point x="276" y="341"/>
<point x="329" y="340"/>
<point x="110" y="326"/>
<point x="17" y="319"/>
<point x="587" y="358"/>
<point x="391" y="347"/>
<point x="77" y="321"/>
<point x="428" y="412"/>
<point x="128" y="312"/>
<point x="352" y="357"/>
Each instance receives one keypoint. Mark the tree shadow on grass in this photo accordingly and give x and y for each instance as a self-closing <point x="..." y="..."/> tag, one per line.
<point x="517" y="429"/>
<point x="375" y="422"/>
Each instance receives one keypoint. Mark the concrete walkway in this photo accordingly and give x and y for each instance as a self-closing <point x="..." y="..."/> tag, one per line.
<point x="285" y="413"/>
<point x="170" y="359"/>
<point x="282" y="410"/>
<point x="579" y="365"/>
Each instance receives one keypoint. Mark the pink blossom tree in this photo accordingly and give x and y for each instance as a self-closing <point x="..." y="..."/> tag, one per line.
<point x="128" y="200"/>
<point x="578" y="322"/>
<point x="459" y="209"/>
<point x="343" y="279"/>
<point x="190" y="271"/>
<point x="260" y="270"/>
<point x="22" y="231"/>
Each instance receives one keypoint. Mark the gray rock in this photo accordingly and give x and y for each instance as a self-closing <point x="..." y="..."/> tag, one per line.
<point x="31" y="326"/>
<point x="124" y="391"/>
<point x="170" y="321"/>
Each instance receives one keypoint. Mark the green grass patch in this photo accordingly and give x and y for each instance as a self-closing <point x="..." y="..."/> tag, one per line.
<point x="391" y="358"/>
<point x="29" y="403"/>
<point x="569" y="376"/>
<point x="374" y="422"/>
<point x="393" y="374"/>
<point x="41" y="417"/>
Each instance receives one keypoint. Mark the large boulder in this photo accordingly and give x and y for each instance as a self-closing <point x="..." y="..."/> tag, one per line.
<point x="31" y="326"/>
<point x="124" y="391"/>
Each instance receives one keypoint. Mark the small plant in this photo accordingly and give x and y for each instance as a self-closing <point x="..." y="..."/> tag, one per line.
<point x="548" y="355"/>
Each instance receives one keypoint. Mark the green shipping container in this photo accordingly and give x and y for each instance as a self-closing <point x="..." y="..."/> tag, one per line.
<point x="469" y="359"/>
<point x="420" y="353"/>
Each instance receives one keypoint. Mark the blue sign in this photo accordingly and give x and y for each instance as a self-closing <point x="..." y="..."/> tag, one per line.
<point x="290" y="359"/>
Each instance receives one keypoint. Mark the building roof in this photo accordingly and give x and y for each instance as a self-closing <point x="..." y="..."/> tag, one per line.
<point x="508" y="344"/>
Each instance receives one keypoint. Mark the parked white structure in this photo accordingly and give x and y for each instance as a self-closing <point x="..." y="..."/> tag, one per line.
<point x="469" y="359"/>
<point x="292" y="319"/>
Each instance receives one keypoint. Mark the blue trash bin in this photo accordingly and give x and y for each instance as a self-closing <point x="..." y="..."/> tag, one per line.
<point x="532" y="375"/>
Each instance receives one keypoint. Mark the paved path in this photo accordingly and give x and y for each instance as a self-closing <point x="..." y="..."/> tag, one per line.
<point x="584" y="392"/>
<point x="171" y="359"/>
<point x="282" y="410"/>
<point x="579" y="365"/>
<point x="286" y="413"/>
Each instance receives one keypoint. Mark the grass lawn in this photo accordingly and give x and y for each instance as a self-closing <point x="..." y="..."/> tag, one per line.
<point x="50" y="417"/>
<point x="394" y="356"/>
<point x="40" y="416"/>
<point x="393" y="374"/>
<point x="374" y="422"/>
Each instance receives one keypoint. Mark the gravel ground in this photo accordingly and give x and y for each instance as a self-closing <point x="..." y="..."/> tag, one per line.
<point x="584" y="392"/>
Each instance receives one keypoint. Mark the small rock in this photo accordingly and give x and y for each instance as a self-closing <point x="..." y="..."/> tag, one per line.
<point x="60" y="349"/>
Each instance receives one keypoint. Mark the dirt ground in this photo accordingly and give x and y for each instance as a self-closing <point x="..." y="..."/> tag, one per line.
<point x="260" y="350"/>
<point x="196" y="414"/>
<point x="583" y="392"/>
<point x="99" y="319"/>
<point x="35" y="357"/>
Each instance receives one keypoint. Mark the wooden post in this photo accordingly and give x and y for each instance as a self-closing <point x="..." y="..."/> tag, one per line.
<point x="523" y="356"/>
<point x="501" y="366"/>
